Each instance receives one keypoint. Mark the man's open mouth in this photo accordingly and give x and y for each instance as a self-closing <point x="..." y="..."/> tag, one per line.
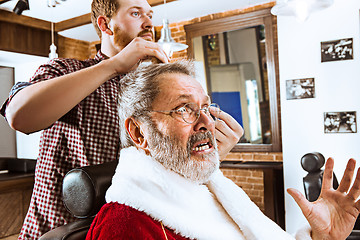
<point x="202" y="146"/>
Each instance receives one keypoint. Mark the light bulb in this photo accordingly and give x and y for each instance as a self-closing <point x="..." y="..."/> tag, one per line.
<point x="53" y="53"/>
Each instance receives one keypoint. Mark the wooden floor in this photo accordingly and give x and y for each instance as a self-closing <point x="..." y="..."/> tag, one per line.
<point x="13" y="237"/>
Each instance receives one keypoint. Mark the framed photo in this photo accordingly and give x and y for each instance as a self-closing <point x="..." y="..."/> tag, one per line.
<point x="300" y="88"/>
<point x="340" y="122"/>
<point x="337" y="50"/>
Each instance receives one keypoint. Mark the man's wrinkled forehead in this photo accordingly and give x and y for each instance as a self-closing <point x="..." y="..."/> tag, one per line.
<point x="187" y="98"/>
<point x="180" y="88"/>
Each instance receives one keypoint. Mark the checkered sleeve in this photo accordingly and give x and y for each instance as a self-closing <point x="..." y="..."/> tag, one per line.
<point x="54" y="68"/>
<point x="14" y="90"/>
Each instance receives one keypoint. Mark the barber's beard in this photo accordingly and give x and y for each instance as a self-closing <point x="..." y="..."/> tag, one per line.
<point x="122" y="38"/>
<point x="168" y="151"/>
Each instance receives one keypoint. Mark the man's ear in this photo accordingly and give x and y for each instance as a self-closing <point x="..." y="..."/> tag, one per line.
<point x="103" y="23"/>
<point x="136" y="134"/>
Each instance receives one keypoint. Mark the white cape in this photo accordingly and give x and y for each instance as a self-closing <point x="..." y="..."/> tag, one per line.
<point x="215" y="211"/>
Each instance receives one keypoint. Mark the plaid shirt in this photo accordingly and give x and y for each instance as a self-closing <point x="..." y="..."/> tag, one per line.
<point x="88" y="134"/>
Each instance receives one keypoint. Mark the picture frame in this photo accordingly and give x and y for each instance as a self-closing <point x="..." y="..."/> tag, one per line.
<point x="300" y="88"/>
<point x="337" y="50"/>
<point x="340" y="122"/>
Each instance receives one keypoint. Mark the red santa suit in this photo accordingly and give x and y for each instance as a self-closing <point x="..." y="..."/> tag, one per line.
<point x="118" y="221"/>
<point x="144" y="195"/>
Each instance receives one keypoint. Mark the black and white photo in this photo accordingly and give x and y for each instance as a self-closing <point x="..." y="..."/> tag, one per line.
<point x="340" y="122"/>
<point x="336" y="50"/>
<point x="300" y="88"/>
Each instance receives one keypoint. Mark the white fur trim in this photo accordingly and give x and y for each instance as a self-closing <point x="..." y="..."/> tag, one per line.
<point x="250" y="219"/>
<point x="215" y="211"/>
<point x="304" y="233"/>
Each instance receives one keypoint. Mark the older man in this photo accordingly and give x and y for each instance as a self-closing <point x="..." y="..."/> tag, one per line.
<point x="168" y="184"/>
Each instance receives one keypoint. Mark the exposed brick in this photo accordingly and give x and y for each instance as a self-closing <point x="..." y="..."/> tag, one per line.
<point x="278" y="157"/>
<point x="247" y="156"/>
<point x="255" y="180"/>
<point x="233" y="156"/>
<point x="240" y="179"/>
<point x="264" y="157"/>
<point x="257" y="173"/>
<point x="258" y="187"/>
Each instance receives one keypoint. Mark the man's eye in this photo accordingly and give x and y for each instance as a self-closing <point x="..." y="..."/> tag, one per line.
<point x="150" y="16"/>
<point x="181" y="110"/>
<point x="135" y="14"/>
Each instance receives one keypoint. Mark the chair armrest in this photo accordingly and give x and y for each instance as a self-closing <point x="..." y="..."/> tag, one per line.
<point x="72" y="231"/>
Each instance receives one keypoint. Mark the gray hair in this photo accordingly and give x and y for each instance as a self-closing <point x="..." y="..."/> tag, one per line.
<point x="139" y="88"/>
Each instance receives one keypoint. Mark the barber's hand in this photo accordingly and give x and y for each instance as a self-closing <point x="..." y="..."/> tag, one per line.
<point x="138" y="49"/>
<point x="332" y="216"/>
<point x="228" y="132"/>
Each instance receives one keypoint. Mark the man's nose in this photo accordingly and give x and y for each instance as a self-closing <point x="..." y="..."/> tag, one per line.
<point x="147" y="24"/>
<point x="205" y="122"/>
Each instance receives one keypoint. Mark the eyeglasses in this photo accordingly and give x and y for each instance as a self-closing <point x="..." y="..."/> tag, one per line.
<point x="190" y="112"/>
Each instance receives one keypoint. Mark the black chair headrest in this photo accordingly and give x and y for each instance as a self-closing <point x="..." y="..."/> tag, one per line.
<point x="312" y="162"/>
<point x="84" y="188"/>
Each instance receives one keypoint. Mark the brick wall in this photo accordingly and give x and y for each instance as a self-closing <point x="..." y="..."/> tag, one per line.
<point x="251" y="181"/>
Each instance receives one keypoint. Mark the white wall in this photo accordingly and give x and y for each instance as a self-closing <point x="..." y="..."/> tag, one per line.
<point x="27" y="146"/>
<point x="337" y="87"/>
<point x="8" y="136"/>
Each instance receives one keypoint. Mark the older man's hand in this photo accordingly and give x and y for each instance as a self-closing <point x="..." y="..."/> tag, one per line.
<point x="332" y="216"/>
<point x="227" y="134"/>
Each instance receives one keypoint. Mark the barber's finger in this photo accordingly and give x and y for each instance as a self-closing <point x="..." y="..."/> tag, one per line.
<point x="347" y="177"/>
<point x="157" y="51"/>
<point x="328" y="175"/>
<point x="144" y="49"/>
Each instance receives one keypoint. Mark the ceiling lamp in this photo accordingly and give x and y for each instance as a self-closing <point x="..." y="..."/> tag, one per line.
<point x="53" y="3"/>
<point x="52" y="53"/>
<point x="167" y="42"/>
<point x="301" y="9"/>
<point x="20" y="6"/>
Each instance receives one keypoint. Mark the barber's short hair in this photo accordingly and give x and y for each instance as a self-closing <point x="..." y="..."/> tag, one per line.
<point x="139" y="88"/>
<point x="106" y="8"/>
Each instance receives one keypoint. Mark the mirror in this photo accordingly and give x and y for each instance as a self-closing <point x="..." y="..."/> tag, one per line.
<point x="236" y="56"/>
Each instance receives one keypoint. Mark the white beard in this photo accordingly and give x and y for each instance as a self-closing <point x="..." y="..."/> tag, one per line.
<point x="168" y="151"/>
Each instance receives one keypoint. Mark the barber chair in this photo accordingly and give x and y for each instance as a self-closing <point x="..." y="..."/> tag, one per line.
<point x="312" y="163"/>
<point x="83" y="195"/>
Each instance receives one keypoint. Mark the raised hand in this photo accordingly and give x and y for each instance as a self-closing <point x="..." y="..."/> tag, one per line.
<point x="138" y="49"/>
<point x="228" y="132"/>
<point x="332" y="216"/>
